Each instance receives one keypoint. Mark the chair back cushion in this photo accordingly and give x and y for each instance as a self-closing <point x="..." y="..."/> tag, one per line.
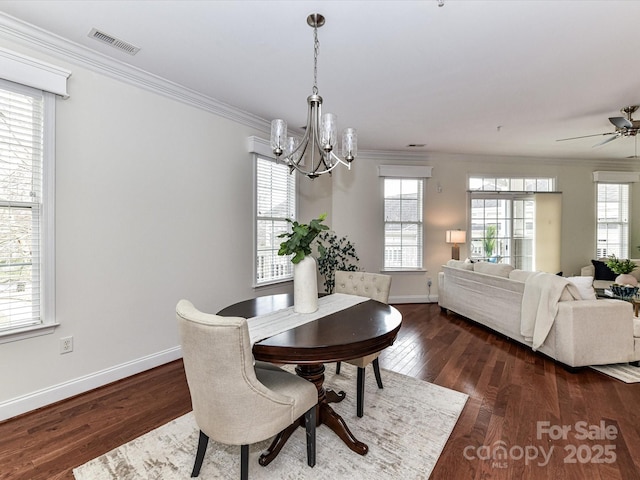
<point x="230" y="405"/>
<point x="371" y="285"/>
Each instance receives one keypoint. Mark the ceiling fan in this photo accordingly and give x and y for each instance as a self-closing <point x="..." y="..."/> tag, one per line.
<point x="625" y="127"/>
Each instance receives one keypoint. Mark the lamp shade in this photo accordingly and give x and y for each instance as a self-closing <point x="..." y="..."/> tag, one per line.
<point x="456" y="236"/>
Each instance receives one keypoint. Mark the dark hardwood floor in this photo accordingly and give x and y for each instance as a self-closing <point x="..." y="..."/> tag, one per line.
<point x="512" y="393"/>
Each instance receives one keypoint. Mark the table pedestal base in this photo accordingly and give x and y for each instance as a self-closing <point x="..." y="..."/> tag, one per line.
<point x="324" y="415"/>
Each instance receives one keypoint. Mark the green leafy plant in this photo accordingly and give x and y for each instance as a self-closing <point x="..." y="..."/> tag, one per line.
<point x="299" y="239"/>
<point x="620" y="266"/>
<point x="335" y="254"/>
<point x="489" y="241"/>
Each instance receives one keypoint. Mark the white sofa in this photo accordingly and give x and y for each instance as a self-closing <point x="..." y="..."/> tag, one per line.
<point x="585" y="332"/>
<point x="590" y="271"/>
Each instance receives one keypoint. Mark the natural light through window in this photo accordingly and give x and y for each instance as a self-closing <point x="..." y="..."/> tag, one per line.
<point x="275" y="202"/>
<point x="403" y="224"/>
<point x="613" y="220"/>
<point x="502" y="211"/>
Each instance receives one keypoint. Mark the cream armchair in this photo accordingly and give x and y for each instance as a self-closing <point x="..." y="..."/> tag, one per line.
<point x="235" y="402"/>
<point x="375" y="286"/>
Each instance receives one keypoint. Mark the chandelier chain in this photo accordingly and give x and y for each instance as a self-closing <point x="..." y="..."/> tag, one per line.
<point x="316" y="50"/>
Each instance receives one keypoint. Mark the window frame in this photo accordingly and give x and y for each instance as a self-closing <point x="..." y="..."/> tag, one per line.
<point x="622" y="222"/>
<point x="419" y="222"/>
<point x="290" y="178"/>
<point x="46" y="220"/>
<point x="512" y="189"/>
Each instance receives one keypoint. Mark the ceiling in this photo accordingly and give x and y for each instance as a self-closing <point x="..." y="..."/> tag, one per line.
<point x="485" y="77"/>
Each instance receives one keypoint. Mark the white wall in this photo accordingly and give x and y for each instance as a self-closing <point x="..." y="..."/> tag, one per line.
<point x="154" y="203"/>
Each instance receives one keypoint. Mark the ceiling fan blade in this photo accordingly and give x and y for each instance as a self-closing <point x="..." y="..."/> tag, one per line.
<point x="587" y="136"/>
<point x="621" y="122"/>
<point x="607" y="141"/>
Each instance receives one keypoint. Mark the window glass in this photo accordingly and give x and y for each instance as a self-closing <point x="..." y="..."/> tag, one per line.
<point x="403" y="203"/>
<point x="275" y="202"/>
<point x="503" y="220"/>
<point x="612" y="237"/>
<point x="22" y="150"/>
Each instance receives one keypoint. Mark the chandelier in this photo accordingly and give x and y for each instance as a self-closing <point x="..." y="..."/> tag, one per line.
<point x="321" y="133"/>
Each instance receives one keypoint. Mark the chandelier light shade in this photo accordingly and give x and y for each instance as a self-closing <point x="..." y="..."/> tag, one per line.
<point x="455" y="237"/>
<point x="320" y="140"/>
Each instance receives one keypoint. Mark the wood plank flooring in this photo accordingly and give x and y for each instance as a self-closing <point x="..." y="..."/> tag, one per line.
<point x="510" y="388"/>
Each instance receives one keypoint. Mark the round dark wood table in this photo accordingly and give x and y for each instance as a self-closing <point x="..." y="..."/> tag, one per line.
<point x="360" y="330"/>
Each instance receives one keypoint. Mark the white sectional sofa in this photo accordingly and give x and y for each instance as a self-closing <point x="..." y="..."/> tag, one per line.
<point x="585" y="332"/>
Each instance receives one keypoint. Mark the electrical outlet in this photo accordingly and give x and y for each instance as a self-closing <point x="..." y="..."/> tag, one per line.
<point x="429" y="282"/>
<point x="66" y="345"/>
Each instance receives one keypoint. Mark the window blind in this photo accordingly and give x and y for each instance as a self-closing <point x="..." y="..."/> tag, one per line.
<point x="21" y="156"/>
<point x="613" y="220"/>
<point x="275" y="202"/>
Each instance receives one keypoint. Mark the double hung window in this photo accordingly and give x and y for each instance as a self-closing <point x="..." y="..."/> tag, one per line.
<point x="613" y="220"/>
<point x="275" y="202"/>
<point x="403" y="223"/>
<point x="26" y="209"/>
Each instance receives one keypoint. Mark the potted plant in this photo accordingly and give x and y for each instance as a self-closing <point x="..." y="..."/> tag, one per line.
<point x="489" y="241"/>
<point x="335" y="254"/>
<point x="305" y="277"/>
<point x="623" y="269"/>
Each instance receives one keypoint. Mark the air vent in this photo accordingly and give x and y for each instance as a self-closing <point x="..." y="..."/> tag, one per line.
<point x="114" y="42"/>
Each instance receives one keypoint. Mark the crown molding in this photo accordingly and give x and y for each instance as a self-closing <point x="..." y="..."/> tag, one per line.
<point x="31" y="36"/>
<point x="41" y="40"/>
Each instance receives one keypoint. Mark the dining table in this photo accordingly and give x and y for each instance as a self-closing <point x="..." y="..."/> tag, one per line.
<point x="358" y="328"/>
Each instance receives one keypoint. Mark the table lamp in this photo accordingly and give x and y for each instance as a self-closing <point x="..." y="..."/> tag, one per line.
<point x="456" y="237"/>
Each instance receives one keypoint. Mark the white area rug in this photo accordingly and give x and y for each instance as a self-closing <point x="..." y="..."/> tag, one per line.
<point x="622" y="371"/>
<point x="405" y="425"/>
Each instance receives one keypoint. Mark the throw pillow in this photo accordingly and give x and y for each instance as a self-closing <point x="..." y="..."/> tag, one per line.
<point x="585" y="287"/>
<point x="602" y="272"/>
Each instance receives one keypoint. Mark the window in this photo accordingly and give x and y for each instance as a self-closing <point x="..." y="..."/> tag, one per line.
<point x="613" y="220"/>
<point x="403" y="223"/>
<point x="503" y="218"/>
<point x="275" y="202"/>
<point x="26" y="210"/>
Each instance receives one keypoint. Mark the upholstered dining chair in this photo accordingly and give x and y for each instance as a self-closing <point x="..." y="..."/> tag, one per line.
<point x="375" y="286"/>
<point x="234" y="401"/>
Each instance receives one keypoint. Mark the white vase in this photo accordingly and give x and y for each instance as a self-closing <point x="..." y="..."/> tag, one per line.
<point x="626" y="279"/>
<point x="305" y="286"/>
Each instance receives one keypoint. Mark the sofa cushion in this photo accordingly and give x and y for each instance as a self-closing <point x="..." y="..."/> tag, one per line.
<point x="520" y="275"/>
<point x="602" y="272"/>
<point x="463" y="265"/>
<point x="495" y="269"/>
<point x="585" y="287"/>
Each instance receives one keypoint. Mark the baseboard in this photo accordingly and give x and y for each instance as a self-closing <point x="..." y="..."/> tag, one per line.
<point x="413" y="299"/>
<point x="40" y="398"/>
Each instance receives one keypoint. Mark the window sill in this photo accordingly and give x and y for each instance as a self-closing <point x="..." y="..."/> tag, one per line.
<point x="272" y="283"/>
<point x="27" y="332"/>
<point x="403" y="270"/>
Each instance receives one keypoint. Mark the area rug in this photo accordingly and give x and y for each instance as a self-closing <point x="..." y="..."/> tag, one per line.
<point x="405" y="425"/>
<point x="622" y="371"/>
